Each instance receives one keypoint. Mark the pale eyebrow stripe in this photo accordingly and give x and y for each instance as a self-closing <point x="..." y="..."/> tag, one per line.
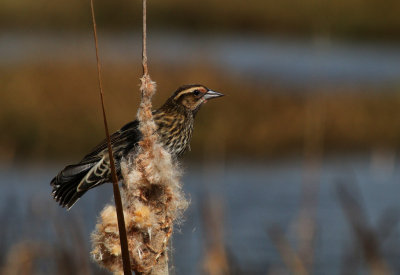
<point x="185" y="92"/>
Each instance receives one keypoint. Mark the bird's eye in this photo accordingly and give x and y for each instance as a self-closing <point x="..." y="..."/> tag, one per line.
<point x="196" y="92"/>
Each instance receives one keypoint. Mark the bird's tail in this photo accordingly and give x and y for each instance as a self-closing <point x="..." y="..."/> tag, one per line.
<point x="66" y="184"/>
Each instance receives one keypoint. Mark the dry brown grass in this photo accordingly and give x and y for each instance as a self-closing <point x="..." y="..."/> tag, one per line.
<point x="51" y="110"/>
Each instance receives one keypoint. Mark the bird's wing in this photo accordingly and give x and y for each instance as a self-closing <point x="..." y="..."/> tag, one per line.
<point x="94" y="169"/>
<point x="98" y="174"/>
<point x="122" y="142"/>
<point x="126" y="136"/>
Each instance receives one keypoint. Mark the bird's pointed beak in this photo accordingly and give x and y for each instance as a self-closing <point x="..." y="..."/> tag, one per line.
<point x="212" y="94"/>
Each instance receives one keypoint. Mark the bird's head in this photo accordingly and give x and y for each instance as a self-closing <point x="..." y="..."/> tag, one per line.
<point x="191" y="97"/>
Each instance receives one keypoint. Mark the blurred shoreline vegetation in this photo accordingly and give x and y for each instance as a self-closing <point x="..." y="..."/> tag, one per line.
<point x="50" y="111"/>
<point x="50" y="108"/>
<point x="343" y="18"/>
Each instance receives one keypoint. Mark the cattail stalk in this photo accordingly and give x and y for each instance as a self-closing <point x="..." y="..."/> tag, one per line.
<point x="144" y="40"/>
<point x="151" y="196"/>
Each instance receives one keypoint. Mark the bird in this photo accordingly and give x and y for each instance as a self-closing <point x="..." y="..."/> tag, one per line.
<point x="174" y="121"/>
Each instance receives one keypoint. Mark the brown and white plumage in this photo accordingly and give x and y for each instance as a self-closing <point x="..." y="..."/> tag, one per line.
<point x="174" y="122"/>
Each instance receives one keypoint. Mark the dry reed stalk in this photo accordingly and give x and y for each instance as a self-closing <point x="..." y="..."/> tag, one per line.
<point x="117" y="196"/>
<point x="290" y="257"/>
<point x="367" y="240"/>
<point x="151" y="196"/>
<point x="216" y="260"/>
<point x="313" y="153"/>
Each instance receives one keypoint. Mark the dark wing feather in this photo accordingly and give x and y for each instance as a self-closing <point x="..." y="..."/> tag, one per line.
<point x="94" y="169"/>
<point x="128" y="133"/>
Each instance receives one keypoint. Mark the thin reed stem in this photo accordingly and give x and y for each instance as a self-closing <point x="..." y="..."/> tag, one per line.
<point x="117" y="195"/>
<point x="144" y="40"/>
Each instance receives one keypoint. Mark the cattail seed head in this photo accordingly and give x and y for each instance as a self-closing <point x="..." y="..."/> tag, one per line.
<point x="152" y="200"/>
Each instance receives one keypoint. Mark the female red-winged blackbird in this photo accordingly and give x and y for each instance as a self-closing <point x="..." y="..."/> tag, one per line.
<point x="174" y="122"/>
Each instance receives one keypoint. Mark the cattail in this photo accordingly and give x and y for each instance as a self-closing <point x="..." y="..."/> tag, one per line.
<point x="152" y="200"/>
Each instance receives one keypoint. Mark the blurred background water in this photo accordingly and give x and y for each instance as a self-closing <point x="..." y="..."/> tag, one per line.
<point x="254" y="198"/>
<point x="296" y="170"/>
<point x="269" y="58"/>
